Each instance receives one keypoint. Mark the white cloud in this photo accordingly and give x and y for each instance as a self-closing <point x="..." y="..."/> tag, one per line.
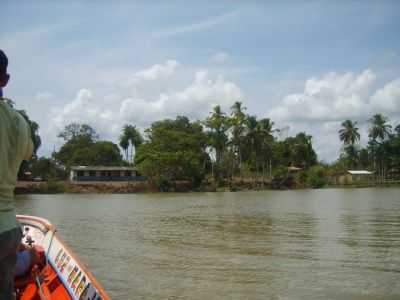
<point x="194" y="101"/>
<point x="85" y="108"/>
<point x="108" y="113"/>
<point x="387" y="99"/>
<point x="329" y="98"/>
<point x="157" y="92"/>
<point x="155" y="72"/>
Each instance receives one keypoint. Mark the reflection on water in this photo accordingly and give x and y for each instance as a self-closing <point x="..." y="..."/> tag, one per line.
<point x="321" y="244"/>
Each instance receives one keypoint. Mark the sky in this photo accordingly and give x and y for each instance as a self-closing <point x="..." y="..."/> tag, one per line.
<point x="307" y="65"/>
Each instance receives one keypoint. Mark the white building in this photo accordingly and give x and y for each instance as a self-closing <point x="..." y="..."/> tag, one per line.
<point x="99" y="173"/>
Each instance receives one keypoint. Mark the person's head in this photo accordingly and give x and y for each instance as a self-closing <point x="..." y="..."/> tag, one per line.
<point x="4" y="77"/>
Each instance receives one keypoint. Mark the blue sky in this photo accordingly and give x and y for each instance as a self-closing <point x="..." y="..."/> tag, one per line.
<point x="307" y="65"/>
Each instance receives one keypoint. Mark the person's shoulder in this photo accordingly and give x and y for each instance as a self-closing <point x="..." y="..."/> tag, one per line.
<point x="11" y="113"/>
<point x="6" y="108"/>
<point x="7" y="105"/>
<point x="6" y="101"/>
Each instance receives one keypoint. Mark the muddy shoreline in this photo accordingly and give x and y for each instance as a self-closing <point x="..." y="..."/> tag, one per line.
<point x="56" y="187"/>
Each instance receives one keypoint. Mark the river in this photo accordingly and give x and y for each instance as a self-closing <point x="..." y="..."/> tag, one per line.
<point x="303" y="244"/>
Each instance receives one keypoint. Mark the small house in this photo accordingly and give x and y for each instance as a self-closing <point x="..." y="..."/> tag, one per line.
<point x="98" y="173"/>
<point x="357" y="176"/>
<point x="293" y="169"/>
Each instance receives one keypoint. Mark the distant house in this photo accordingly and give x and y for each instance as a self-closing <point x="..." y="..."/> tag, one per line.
<point x="357" y="176"/>
<point x="294" y="169"/>
<point x="87" y="173"/>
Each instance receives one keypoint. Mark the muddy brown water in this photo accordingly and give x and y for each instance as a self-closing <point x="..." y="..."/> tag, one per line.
<point x="310" y="244"/>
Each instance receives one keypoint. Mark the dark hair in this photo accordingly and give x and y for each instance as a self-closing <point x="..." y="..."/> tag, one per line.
<point x="3" y="63"/>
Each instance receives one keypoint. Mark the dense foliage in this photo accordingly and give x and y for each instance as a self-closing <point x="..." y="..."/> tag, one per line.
<point x="174" y="150"/>
<point x="382" y="153"/>
<point x="225" y="147"/>
<point x="83" y="149"/>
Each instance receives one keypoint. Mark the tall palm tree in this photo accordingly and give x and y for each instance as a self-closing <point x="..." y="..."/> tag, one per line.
<point x="238" y="120"/>
<point x="349" y="133"/>
<point x="251" y="142"/>
<point x="252" y="131"/>
<point x="258" y="138"/>
<point x="265" y="130"/>
<point x="131" y="136"/>
<point x="379" y="128"/>
<point x="349" y="136"/>
<point x="265" y="126"/>
<point x="218" y="124"/>
<point x="124" y="143"/>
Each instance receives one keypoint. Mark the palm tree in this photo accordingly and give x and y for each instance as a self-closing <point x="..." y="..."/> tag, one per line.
<point x="252" y="132"/>
<point x="349" y="133"/>
<point x="379" y="127"/>
<point x="218" y="124"/>
<point x="251" y="142"/>
<point x="258" y="138"/>
<point x="238" y="120"/>
<point x="264" y="127"/>
<point x="131" y="136"/>
<point x="349" y="136"/>
<point x="124" y="143"/>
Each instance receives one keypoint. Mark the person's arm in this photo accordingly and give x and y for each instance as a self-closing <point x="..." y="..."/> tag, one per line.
<point x="29" y="150"/>
<point x="29" y="142"/>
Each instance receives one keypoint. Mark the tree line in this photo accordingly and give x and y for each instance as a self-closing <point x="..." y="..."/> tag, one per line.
<point x="224" y="147"/>
<point x="382" y="152"/>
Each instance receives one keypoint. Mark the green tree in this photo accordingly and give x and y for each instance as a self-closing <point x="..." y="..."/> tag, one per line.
<point x="257" y="148"/>
<point x="294" y="151"/>
<point x="349" y="133"/>
<point x="218" y="125"/>
<point x="379" y="131"/>
<point x="75" y="151"/>
<point x="46" y="168"/>
<point x="238" y="123"/>
<point x="301" y="152"/>
<point x="78" y="130"/>
<point x="124" y="143"/>
<point x="397" y="130"/>
<point x="131" y="136"/>
<point x="251" y="142"/>
<point x="379" y="127"/>
<point x="174" y="150"/>
<point x="105" y="153"/>
<point x="349" y="136"/>
<point x="317" y="176"/>
<point x="393" y="151"/>
<point x="82" y="148"/>
<point x="266" y="140"/>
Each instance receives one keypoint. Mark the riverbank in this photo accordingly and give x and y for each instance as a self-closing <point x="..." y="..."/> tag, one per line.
<point x="55" y="187"/>
<point x="101" y="187"/>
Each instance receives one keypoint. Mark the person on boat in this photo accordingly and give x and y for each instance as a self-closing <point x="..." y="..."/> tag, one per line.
<point x="15" y="146"/>
<point x="27" y="257"/>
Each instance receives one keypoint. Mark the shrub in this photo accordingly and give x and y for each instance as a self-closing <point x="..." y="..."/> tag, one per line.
<point x="302" y="177"/>
<point x="163" y="184"/>
<point x="52" y="187"/>
<point x="317" y="176"/>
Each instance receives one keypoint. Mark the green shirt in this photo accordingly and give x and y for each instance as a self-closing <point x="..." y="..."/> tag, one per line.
<point x="15" y="146"/>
